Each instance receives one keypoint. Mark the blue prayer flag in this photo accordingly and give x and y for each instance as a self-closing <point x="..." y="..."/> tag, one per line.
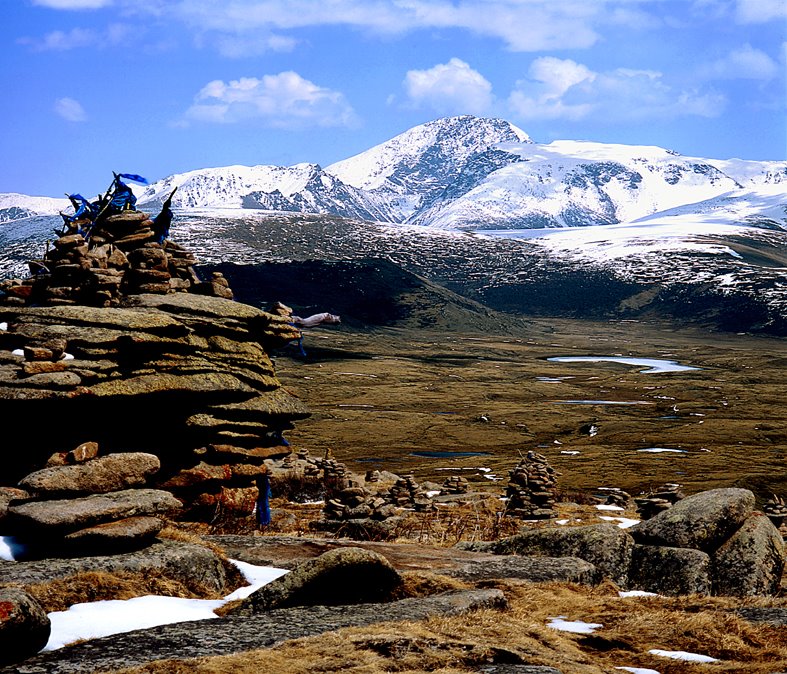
<point x="133" y="177"/>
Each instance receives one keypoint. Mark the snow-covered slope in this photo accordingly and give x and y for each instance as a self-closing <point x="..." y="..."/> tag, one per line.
<point x="15" y="206"/>
<point x="303" y="187"/>
<point x="571" y="184"/>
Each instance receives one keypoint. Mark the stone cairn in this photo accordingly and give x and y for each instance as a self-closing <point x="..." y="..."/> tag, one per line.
<point x="618" y="497"/>
<point x="776" y="510"/>
<point x="407" y="493"/>
<point x="454" y="485"/>
<point x="658" y="500"/>
<point x="531" y="489"/>
<point x="120" y="257"/>
<point x="82" y="504"/>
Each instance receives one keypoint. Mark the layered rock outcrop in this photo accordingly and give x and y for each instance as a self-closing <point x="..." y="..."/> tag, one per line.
<point x="114" y="338"/>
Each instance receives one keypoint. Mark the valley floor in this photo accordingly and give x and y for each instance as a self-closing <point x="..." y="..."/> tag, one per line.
<point x="437" y="404"/>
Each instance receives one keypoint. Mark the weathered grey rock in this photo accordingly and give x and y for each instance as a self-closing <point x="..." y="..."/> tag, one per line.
<point x="184" y="562"/>
<point x="233" y="634"/>
<point x="670" y="571"/>
<point x="114" y="472"/>
<point x="776" y="617"/>
<point x="605" y="546"/>
<point x="127" y="534"/>
<point x="751" y="561"/>
<point x="24" y="625"/>
<point x="8" y="494"/>
<point x="344" y="576"/>
<point x="702" y="521"/>
<point x="66" y="515"/>
<point x="531" y="569"/>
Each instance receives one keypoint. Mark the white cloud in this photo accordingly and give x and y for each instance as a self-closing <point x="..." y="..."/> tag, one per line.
<point x="743" y="63"/>
<point x="286" y="100"/>
<point x="449" y="88"/>
<point x="760" y="11"/>
<point x="73" y="4"/>
<point x="244" y="46"/>
<point x="523" y="25"/>
<point x="564" y="89"/>
<point x="78" y="38"/>
<point x="70" y="109"/>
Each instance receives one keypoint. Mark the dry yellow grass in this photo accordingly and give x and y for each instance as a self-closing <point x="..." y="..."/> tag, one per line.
<point x="631" y="627"/>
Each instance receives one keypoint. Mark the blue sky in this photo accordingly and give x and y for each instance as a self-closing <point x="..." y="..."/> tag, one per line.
<point x="157" y="87"/>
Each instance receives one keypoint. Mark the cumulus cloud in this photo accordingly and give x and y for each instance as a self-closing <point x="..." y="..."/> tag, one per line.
<point x="743" y="63"/>
<point x="73" y="4"/>
<point x="59" y="40"/>
<point x="286" y="100"/>
<point x="78" y="38"/>
<point x="760" y="11"/>
<point x="449" y="88"/>
<point x="523" y="25"/>
<point x="70" y="109"/>
<point x="563" y="89"/>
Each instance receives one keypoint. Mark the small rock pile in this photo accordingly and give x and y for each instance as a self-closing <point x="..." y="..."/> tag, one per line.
<point x="83" y="504"/>
<point x="618" y="497"/>
<point x="355" y="502"/>
<point x="456" y="484"/>
<point x="658" y="500"/>
<point x="407" y="493"/>
<point x="531" y="490"/>
<point x="121" y="256"/>
<point x="776" y="510"/>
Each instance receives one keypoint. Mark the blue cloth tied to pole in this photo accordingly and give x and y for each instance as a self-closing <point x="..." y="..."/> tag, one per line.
<point x="263" y="501"/>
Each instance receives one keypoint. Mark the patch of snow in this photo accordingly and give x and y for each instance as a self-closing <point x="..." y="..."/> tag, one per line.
<point x="104" y="618"/>
<point x="68" y="356"/>
<point x="575" y="626"/>
<point x="623" y="522"/>
<point x="652" y="365"/>
<point x="4" y="326"/>
<point x="638" y="670"/>
<point x="609" y="507"/>
<point x="18" y="352"/>
<point x="662" y="450"/>
<point x="570" y="452"/>
<point x="432" y="493"/>
<point x="562" y="522"/>
<point x="682" y="655"/>
<point x="636" y="593"/>
<point x="9" y="548"/>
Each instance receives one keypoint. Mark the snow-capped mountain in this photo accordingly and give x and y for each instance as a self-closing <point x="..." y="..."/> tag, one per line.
<point x="470" y="173"/>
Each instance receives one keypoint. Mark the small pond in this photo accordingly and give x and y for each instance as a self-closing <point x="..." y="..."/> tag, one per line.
<point x="652" y="365"/>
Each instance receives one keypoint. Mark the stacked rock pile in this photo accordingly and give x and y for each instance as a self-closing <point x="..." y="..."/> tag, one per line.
<point x="194" y="368"/>
<point x="531" y="489"/>
<point x="618" y="497"/>
<point x="355" y="502"/>
<point x="455" y="484"/>
<point x="776" y="510"/>
<point x="121" y="256"/>
<point x="407" y="493"/>
<point x="658" y="500"/>
<point x="83" y="503"/>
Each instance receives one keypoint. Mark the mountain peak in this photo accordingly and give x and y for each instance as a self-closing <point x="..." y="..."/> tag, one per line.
<point x="441" y="146"/>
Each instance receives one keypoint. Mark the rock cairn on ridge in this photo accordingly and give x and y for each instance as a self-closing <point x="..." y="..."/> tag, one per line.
<point x="407" y="493"/>
<point x="531" y="489"/>
<point x="776" y="510"/>
<point x="120" y="257"/>
<point x="454" y="485"/>
<point x="84" y="504"/>
<point x="114" y="336"/>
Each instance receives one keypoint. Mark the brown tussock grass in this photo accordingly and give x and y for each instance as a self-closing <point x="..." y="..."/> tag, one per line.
<point x="58" y="595"/>
<point x="631" y="627"/>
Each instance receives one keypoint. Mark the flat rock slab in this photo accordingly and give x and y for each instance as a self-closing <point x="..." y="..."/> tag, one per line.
<point x="530" y="569"/>
<point x="66" y="515"/>
<point x="776" y="617"/>
<point x="286" y="552"/>
<point x="518" y="669"/>
<point x="114" y="472"/>
<point x="224" y="636"/>
<point x="180" y="561"/>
